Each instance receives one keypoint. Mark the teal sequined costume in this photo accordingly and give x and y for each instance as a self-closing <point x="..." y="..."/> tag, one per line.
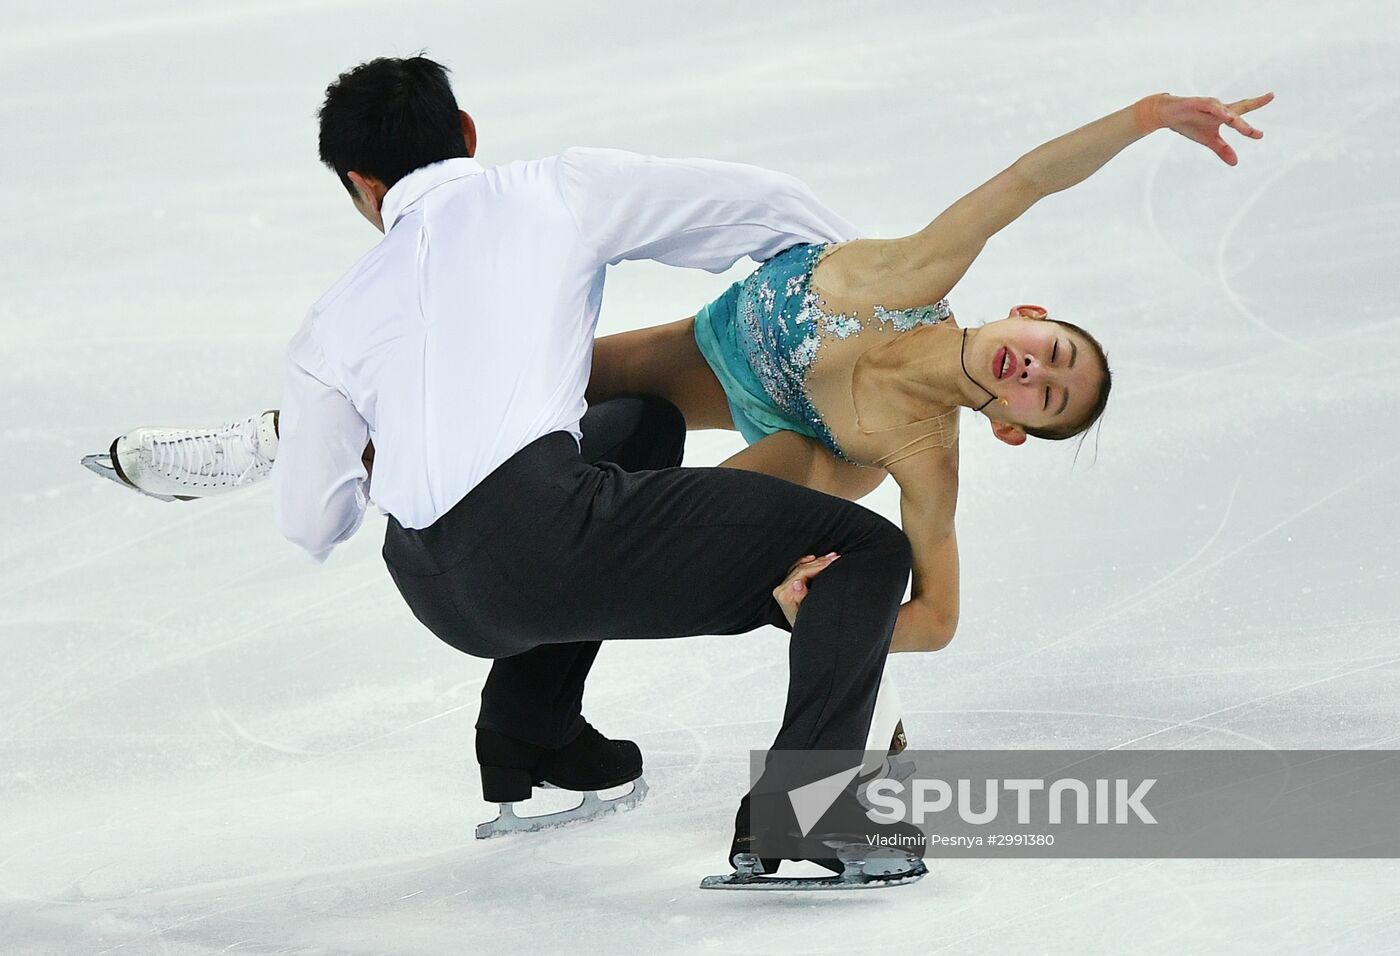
<point x="762" y="335"/>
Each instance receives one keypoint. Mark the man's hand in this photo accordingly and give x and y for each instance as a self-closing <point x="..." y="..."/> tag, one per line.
<point x="1199" y="118"/>
<point x="793" y="590"/>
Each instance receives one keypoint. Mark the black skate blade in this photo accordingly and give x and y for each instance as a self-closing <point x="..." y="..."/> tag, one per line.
<point x="591" y="808"/>
<point x="101" y="464"/>
<point x="859" y="875"/>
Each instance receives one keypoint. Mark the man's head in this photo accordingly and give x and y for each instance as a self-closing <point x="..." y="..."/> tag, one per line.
<point x="1051" y="378"/>
<point x="386" y="118"/>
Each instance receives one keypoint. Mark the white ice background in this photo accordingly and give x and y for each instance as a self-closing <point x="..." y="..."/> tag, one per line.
<point x="210" y="745"/>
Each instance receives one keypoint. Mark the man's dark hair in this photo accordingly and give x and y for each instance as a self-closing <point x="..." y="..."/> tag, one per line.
<point x="1100" y="400"/>
<point x="388" y="117"/>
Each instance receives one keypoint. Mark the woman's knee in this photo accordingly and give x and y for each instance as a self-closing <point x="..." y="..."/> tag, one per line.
<point x="634" y="432"/>
<point x="663" y="422"/>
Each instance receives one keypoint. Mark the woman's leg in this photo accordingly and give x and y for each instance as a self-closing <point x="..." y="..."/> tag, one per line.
<point x="805" y="461"/>
<point x="662" y="360"/>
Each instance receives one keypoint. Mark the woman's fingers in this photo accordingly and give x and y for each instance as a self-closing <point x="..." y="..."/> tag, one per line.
<point x="803" y="571"/>
<point x="812" y="568"/>
<point x="1253" y="103"/>
<point x="791" y="593"/>
<point x="1244" y="106"/>
<point x="1241" y="126"/>
<point x="1224" y="151"/>
<point x="1201" y="119"/>
<point x="1230" y="116"/>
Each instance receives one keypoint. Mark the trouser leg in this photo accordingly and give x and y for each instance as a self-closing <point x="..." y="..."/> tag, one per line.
<point x="688" y="551"/>
<point x="538" y="696"/>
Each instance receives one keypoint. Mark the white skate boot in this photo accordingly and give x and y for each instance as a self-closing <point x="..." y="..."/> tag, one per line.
<point x="184" y="463"/>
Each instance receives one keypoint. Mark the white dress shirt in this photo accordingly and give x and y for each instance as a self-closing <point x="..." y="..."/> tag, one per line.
<point x="467" y="332"/>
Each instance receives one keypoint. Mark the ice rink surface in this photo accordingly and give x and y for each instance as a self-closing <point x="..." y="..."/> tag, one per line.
<point x="211" y="745"/>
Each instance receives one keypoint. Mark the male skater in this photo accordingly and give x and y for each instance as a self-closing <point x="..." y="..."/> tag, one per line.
<point x="461" y="345"/>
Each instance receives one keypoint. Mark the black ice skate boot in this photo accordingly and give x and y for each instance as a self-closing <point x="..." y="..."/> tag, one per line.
<point x="511" y="768"/>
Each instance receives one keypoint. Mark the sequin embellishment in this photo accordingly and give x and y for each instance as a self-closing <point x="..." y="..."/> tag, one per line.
<point x="905" y="319"/>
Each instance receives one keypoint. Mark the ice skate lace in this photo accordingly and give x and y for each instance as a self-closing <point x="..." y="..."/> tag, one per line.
<point x="229" y="456"/>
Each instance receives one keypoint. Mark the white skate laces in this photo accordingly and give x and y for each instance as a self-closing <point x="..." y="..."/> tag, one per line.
<point x="226" y="458"/>
<point x="185" y="463"/>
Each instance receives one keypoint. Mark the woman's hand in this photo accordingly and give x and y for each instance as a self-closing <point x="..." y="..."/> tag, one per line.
<point x="793" y="590"/>
<point x="1199" y="118"/>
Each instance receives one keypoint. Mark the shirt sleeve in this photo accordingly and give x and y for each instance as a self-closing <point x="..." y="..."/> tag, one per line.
<point x="696" y="213"/>
<point x="319" y="480"/>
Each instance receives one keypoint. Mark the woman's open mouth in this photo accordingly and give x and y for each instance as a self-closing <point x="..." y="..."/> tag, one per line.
<point x="1001" y="362"/>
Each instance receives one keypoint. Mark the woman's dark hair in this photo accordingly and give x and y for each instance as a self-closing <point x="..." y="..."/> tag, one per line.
<point x="1100" y="400"/>
<point x="388" y="117"/>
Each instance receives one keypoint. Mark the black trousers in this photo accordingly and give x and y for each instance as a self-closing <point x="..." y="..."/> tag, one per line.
<point x="560" y="548"/>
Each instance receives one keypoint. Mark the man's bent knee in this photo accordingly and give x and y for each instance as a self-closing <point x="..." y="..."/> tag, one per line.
<point x="880" y="533"/>
<point x="889" y="539"/>
<point x="664" y="422"/>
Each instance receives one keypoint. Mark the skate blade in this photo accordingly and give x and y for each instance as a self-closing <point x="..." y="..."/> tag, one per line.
<point x="592" y="807"/>
<point x="859" y="875"/>
<point x="101" y="464"/>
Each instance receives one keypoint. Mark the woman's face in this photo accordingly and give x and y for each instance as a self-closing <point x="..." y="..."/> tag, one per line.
<point x="1042" y="374"/>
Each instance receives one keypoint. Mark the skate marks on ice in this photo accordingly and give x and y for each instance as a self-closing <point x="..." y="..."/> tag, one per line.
<point x="1248" y="204"/>
<point x="1192" y="567"/>
<point x="156" y="626"/>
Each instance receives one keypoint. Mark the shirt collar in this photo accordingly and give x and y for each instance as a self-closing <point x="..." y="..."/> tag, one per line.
<point x="412" y="187"/>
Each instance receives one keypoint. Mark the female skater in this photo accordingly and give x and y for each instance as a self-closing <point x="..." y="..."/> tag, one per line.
<point x="839" y="364"/>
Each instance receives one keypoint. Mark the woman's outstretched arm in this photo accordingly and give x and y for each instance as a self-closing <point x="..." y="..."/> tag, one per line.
<point x="936" y="257"/>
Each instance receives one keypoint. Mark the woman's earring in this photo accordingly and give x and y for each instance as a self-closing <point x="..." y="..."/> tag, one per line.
<point x="1005" y="402"/>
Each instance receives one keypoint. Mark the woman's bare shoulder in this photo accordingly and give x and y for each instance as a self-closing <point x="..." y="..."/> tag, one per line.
<point x="929" y="476"/>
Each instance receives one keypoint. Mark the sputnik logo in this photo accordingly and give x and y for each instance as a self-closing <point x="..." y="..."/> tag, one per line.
<point x="811" y="801"/>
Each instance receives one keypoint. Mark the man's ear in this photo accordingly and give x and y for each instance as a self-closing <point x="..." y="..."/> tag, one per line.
<point x="468" y="131"/>
<point x="1011" y="434"/>
<point x="370" y="188"/>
